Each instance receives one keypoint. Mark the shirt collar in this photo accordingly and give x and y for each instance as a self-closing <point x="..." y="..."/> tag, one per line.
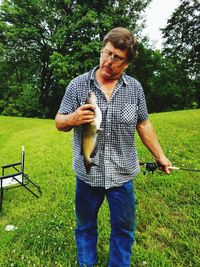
<point x="92" y="76"/>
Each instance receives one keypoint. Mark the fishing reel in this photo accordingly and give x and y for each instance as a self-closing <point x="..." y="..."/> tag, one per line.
<point x="149" y="167"/>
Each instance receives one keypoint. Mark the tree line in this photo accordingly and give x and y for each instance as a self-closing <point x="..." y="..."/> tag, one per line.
<point x="46" y="43"/>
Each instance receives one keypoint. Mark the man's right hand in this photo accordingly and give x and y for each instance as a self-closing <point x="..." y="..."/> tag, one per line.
<point x="83" y="115"/>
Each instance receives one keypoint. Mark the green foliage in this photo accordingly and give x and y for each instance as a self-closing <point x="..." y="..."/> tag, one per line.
<point x="182" y="35"/>
<point x="165" y="82"/>
<point x="167" y="232"/>
<point x="46" y="43"/>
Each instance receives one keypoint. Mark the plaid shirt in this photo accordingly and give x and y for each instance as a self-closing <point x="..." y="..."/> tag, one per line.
<point x="116" y="156"/>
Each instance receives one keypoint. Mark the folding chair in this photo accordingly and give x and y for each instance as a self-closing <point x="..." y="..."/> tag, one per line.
<point x="16" y="178"/>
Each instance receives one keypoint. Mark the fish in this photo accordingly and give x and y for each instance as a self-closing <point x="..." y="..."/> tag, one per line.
<point x="90" y="133"/>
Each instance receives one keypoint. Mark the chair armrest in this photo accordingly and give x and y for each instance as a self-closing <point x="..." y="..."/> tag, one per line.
<point x="11" y="165"/>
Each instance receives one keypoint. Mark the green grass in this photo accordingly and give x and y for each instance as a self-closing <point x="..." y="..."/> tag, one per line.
<point x="168" y="213"/>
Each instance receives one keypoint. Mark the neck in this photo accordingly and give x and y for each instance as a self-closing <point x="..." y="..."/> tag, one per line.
<point x="107" y="85"/>
<point x="105" y="81"/>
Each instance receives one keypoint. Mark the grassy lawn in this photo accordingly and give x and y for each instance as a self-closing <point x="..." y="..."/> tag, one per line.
<point x="168" y="210"/>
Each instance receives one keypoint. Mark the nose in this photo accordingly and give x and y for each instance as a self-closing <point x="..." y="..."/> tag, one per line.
<point x="110" y="59"/>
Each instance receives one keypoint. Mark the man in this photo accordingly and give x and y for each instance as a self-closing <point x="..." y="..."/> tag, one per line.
<point x="122" y="103"/>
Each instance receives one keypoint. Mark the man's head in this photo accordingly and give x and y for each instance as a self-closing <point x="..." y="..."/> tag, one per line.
<point x="122" y="39"/>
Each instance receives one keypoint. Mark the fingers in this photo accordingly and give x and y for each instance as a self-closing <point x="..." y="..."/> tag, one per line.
<point x="87" y="111"/>
<point x="84" y="114"/>
<point x="87" y="107"/>
<point x="164" y="165"/>
<point x="167" y="169"/>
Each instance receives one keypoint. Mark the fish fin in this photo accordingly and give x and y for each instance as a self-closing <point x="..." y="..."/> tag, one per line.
<point x="81" y="150"/>
<point x="82" y="135"/>
<point x="94" y="152"/>
<point x="89" y="165"/>
<point x="99" y="130"/>
<point x="84" y="128"/>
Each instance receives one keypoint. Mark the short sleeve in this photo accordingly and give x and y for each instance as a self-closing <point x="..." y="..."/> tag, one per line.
<point x="142" y="106"/>
<point x="69" y="102"/>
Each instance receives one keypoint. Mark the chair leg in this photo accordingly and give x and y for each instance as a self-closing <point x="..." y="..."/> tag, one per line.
<point x="1" y="198"/>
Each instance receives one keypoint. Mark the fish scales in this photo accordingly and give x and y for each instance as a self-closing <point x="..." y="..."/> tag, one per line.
<point x="90" y="133"/>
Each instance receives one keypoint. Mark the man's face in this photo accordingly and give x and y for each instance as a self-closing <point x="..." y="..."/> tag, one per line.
<point x="113" y="62"/>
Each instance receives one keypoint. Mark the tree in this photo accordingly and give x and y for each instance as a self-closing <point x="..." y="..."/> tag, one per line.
<point x="182" y="35"/>
<point x="165" y="83"/>
<point x="48" y="42"/>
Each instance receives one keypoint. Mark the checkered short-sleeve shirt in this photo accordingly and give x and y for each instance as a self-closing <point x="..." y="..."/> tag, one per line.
<point x="116" y="157"/>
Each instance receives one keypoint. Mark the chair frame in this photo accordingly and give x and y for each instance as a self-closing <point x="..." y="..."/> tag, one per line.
<point x="16" y="179"/>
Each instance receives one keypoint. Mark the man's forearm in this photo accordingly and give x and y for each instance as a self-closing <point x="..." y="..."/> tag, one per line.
<point x="64" y="122"/>
<point x="149" y="138"/>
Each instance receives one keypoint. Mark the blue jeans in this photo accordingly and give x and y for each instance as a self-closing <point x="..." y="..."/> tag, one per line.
<point x="121" y="202"/>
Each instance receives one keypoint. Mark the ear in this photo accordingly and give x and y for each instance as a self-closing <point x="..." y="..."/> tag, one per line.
<point x="126" y="65"/>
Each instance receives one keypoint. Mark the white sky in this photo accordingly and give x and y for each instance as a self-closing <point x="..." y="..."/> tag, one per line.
<point x="157" y="14"/>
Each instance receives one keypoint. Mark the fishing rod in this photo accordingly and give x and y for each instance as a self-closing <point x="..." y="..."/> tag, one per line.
<point x="152" y="166"/>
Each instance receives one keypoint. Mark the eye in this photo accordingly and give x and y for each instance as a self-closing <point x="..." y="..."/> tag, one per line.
<point x="108" y="53"/>
<point x="118" y="58"/>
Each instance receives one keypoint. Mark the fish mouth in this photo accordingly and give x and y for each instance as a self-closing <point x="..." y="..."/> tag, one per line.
<point x="91" y="97"/>
<point x="90" y="93"/>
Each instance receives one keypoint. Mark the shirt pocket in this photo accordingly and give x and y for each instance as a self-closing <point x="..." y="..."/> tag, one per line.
<point x="129" y="113"/>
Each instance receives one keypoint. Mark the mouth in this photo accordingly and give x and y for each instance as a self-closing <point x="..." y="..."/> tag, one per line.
<point x="107" y="69"/>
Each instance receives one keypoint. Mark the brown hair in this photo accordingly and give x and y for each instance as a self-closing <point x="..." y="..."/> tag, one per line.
<point x="123" y="39"/>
